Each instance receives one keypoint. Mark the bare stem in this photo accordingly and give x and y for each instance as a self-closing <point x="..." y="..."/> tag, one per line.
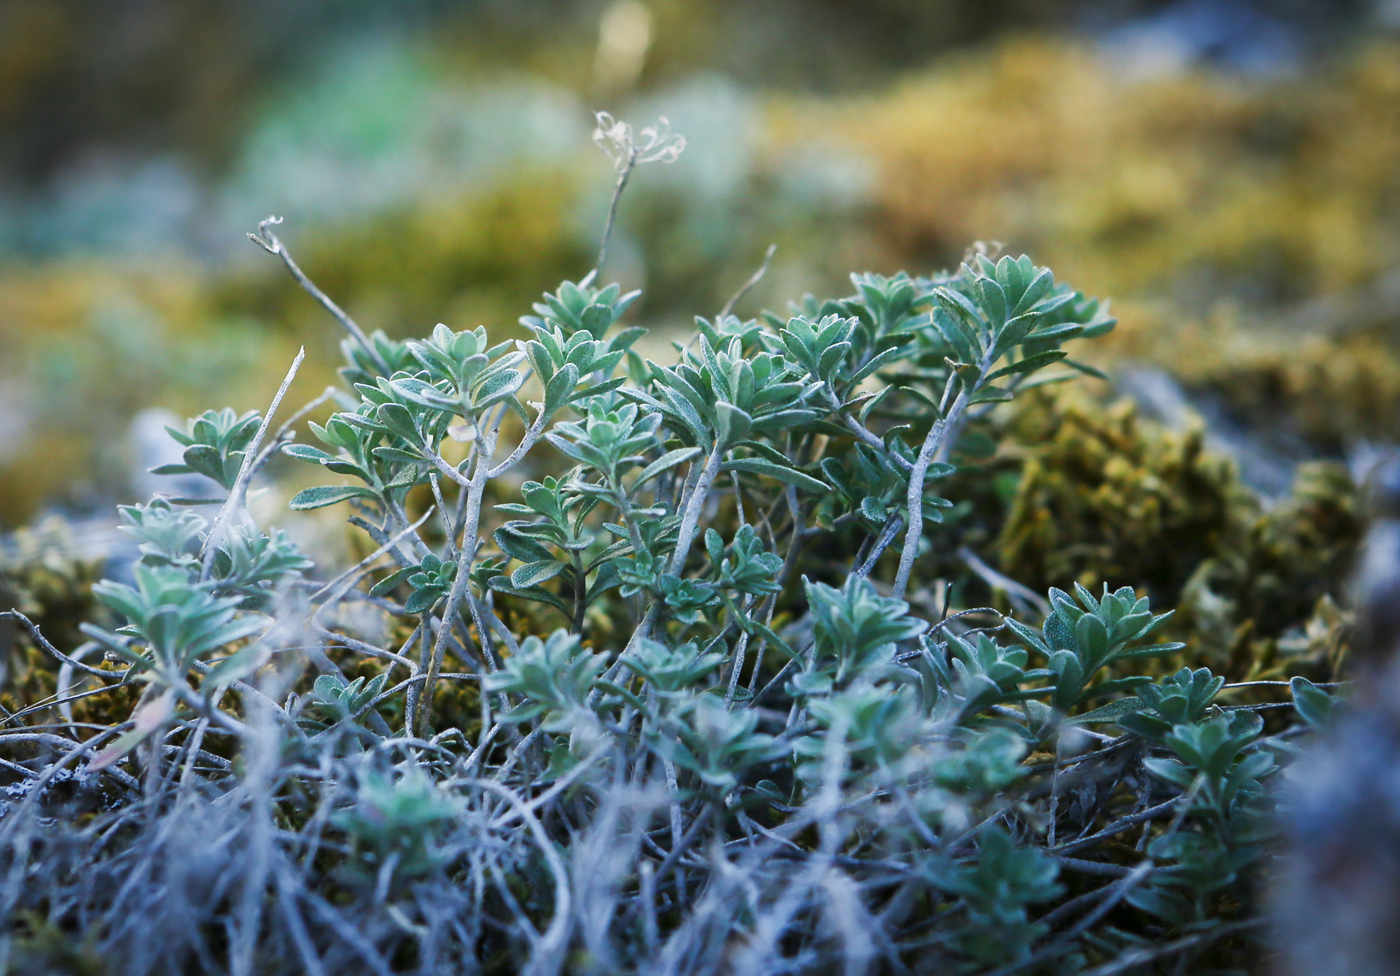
<point x="270" y="243"/>
<point x="915" y="500"/>
<point x="754" y="279"/>
<point x="690" y="519"/>
<point x="466" y="556"/>
<point x="245" y="472"/>
<point x="612" y="208"/>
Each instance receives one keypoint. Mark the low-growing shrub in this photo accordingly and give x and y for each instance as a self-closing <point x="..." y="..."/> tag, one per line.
<point x="689" y="700"/>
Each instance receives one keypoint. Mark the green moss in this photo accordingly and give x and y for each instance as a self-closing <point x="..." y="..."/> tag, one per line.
<point x="42" y="947"/>
<point x="43" y="578"/>
<point x="1189" y="185"/>
<point x="1105" y="496"/>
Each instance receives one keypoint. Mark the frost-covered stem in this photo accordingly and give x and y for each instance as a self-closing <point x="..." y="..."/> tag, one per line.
<point x="200" y="705"/>
<point x="794" y="546"/>
<point x="690" y="517"/>
<point x="862" y="433"/>
<point x="941" y="437"/>
<point x="878" y="547"/>
<point x="629" y="521"/>
<point x="397" y="519"/>
<point x="933" y="443"/>
<point x="1022" y="596"/>
<point x="738" y="666"/>
<point x="673" y="783"/>
<point x="622" y="179"/>
<point x="950" y="438"/>
<point x="245" y="473"/>
<point x="488" y="652"/>
<point x="448" y="529"/>
<point x="449" y="614"/>
<point x="754" y="279"/>
<point x="270" y="243"/>
<point x="692" y="501"/>
<point x="528" y="441"/>
<point x="548" y="954"/>
<point x="822" y="813"/>
<point x="441" y="464"/>
<point x="423" y="635"/>
<point x="42" y="642"/>
<point x="466" y="556"/>
<point x="330" y="593"/>
<point x="580" y="594"/>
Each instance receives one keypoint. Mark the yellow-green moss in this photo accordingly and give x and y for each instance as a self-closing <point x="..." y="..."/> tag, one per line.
<point x="1132" y="187"/>
<point x="1105" y="496"/>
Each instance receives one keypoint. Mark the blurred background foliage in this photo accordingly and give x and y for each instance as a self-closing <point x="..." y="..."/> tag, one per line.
<point x="1228" y="172"/>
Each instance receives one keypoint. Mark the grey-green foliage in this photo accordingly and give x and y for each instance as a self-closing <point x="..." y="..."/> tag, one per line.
<point x="398" y="821"/>
<point x="998" y="889"/>
<point x="215" y="444"/>
<point x="195" y="601"/>
<point x="712" y="702"/>
<point x="429" y="582"/>
<point x="170" y="623"/>
<point x="1083" y="636"/>
<point x="336" y="701"/>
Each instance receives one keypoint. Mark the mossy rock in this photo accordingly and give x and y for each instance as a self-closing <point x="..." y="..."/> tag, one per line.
<point x="1106" y="496"/>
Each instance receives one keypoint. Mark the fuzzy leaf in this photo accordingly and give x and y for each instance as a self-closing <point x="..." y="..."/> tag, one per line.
<point x="310" y="498"/>
<point x="781" y="472"/>
<point x="533" y="574"/>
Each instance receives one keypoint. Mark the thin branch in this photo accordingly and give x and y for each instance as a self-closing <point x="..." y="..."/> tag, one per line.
<point x="1134" y="958"/>
<point x="270" y="243"/>
<point x="1115" y="894"/>
<point x="245" y="472"/>
<point x="623" y="177"/>
<point x="754" y="279"/>
<point x="1023" y="595"/>
<point x="32" y="629"/>
<point x="882" y="542"/>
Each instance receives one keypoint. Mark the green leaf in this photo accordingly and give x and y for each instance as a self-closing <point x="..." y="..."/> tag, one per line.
<point x="732" y="424"/>
<point x="1151" y="650"/>
<point x="668" y="460"/>
<point x="557" y="390"/>
<point x="501" y="584"/>
<point x="1037" y="289"/>
<point x="753" y="626"/>
<point x="876" y="363"/>
<point x="781" y="472"/>
<point x="239" y="664"/>
<point x="1086" y="369"/>
<point x="596" y="318"/>
<point x="310" y="498"/>
<point x="1067" y="330"/>
<point x="1313" y="704"/>
<point x="994" y="301"/>
<point x="1092" y="637"/>
<point x="388" y="583"/>
<point x="421" y="601"/>
<point x="302" y="452"/>
<point x="1029" y="365"/>
<point x="395" y="456"/>
<point x="1111" y="712"/>
<point x="689" y="416"/>
<point x="396" y="417"/>
<point x="535" y="573"/>
<point x="959" y="305"/>
<point x="990" y="394"/>
<point x="119" y="748"/>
